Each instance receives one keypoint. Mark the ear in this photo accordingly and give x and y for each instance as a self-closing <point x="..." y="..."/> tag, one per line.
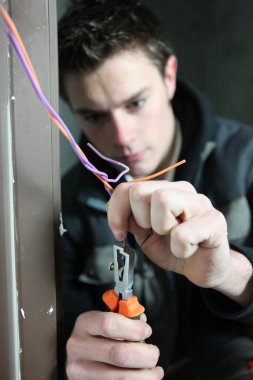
<point x="170" y="76"/>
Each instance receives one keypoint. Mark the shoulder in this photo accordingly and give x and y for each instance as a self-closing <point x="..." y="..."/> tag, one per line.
<point x="229" y="128"/>
<point x="235" y="139"/>
<point x="232" y="158"/>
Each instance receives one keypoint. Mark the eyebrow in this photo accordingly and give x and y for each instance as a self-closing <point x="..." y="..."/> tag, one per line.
<point x="87" y="111"/>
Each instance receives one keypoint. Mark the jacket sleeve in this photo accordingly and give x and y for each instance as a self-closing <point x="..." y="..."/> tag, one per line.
<point x="225" y="308"/>
<point x="220" y="305"/>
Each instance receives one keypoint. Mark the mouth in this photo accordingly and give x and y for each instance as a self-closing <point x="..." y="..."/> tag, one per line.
<point x="134" y="157"/>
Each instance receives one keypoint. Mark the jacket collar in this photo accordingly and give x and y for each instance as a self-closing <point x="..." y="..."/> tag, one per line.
<point x="198" y="123"/>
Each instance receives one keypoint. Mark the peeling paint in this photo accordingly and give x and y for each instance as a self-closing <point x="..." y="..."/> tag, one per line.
<point x="51" y="310"/>
<point x="13" y="97"/>
<point x="62" y="230"/>
<point x="22" y="313"/>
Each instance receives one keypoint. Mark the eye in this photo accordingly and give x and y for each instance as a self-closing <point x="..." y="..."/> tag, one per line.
<point x="136" y="104"/>
<point x="93" y="117"/>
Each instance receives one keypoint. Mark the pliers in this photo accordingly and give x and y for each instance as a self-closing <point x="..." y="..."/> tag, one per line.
<point x="121" y="299"/>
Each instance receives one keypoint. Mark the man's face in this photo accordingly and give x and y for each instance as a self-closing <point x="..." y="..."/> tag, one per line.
<point x="124" y="110"/>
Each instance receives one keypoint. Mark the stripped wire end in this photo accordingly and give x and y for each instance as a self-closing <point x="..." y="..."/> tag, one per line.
<point x="125" y="167"/>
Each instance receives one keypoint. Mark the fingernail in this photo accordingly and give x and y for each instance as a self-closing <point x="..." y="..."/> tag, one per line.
<point x="119" y="235"/>
<point x="143" y="317"/>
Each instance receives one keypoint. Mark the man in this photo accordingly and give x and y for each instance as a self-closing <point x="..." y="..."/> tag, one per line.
<point x="191" y="230"/>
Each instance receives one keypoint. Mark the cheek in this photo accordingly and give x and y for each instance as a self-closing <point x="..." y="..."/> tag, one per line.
<point x="156" y="117"/>
<point x="98" y="138"/>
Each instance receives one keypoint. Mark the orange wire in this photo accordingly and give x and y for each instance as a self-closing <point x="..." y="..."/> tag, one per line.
<point x="14" y="30"/>
<point x="159" y="173"/>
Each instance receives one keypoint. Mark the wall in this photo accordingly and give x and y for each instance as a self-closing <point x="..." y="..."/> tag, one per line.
<point x="29" y="199"/>
<point x="213" y="41"/>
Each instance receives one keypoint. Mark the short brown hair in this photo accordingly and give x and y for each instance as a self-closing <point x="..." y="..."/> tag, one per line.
<point x="93" y="30"/>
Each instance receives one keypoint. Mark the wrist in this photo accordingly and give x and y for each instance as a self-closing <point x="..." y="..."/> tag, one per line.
<point x="238" y="284"/>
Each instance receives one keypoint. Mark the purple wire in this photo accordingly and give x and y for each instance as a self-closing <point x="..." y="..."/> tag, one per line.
<point x="46" y="104"/>
<point x="88" y="165"/>
<point x="111" y="161"/>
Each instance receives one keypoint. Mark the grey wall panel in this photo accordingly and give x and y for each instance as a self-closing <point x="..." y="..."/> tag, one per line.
<point x="34" y="146"/>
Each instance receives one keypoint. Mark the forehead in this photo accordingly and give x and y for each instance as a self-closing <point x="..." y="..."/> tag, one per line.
<point x="117" y="78"/>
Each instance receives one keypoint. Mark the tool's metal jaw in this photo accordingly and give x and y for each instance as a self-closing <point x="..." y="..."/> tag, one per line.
<point x="121" y="299"/>
<point x="124" y="257"/>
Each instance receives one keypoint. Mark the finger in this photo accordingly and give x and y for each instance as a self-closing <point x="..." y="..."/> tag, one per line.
<point x="134" y="199"/>
<point x="143" y="317"/>
<point x="118" y="353"/>
<point x="169" y="207"/>
<point x="94" y="371"/>
<point x="131" y="200"/>
<point x="208" y="231"/>
<point x="140" y="196"/>
<point x="119" y="211"/>
<point x="111" y="325"/>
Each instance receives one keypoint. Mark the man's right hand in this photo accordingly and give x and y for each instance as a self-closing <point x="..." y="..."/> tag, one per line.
<point x="106" y="345"/>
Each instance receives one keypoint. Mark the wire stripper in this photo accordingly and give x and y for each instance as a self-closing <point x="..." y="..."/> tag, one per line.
<point x="121" y="299"/>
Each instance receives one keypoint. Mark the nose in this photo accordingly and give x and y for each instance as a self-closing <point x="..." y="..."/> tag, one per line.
<point x="123" y="129"/>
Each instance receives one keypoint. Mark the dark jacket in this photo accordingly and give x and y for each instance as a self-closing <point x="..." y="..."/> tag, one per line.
<point x="219" y="163"/>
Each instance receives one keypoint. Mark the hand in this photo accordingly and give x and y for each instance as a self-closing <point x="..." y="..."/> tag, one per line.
<point x="106" y="345"/>
<point x="180" y="230"/>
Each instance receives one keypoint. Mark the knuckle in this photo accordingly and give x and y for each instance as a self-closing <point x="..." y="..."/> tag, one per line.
<point x="204" y="201"/>
<point x="221" y="216"/>
<point x="187" y="186"/>
<point x="155" y="356"/>
<point x="221" y="220"/>
<point x="137" y="191"/>
<point x="107" y="325"/>
<point x="123" y="186"/>
<point x="79" y="320"/>
<point x="161" y="196"/>
<point x="123" y="376"/>
<point x="142" y="332"/>
<point x="159" y="373"/>
<point x="115" y="223"/>
<point x="178" y="235"/>
<point x="121" y="189"/>
<point x="73" y="370"/>
<point x="180" y="247"/>
<point x="82" y="319"/>
<point x="118" y="355"/>
<point x="70" y="345"/>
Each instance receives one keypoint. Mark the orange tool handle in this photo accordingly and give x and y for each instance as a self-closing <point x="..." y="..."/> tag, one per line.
<point x="129" y="308"/>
